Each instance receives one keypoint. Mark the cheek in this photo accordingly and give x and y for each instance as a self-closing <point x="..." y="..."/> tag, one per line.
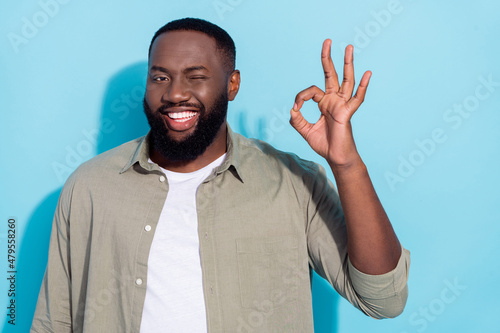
<point x="208" y="93"/>
<point x="153" y="98"/>
<point x="201" y="89"/>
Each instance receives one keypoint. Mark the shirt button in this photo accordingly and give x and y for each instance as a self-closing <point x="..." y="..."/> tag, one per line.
<point x="147" y="228"/>
<point x="162" y="179"/>
<point x="138" y="281"/>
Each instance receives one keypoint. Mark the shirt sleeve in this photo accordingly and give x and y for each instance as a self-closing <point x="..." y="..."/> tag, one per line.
<point x="53" y="309"/>
<point x="378" y="296"/>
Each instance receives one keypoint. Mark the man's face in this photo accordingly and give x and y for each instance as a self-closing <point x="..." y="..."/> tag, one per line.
<point x="186" y="94"/>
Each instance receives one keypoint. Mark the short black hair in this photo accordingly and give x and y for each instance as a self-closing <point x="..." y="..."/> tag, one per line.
<point x="224" y="42"/>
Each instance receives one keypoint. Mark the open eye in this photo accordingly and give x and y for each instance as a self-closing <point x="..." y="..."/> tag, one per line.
<point x="159" y="78"/>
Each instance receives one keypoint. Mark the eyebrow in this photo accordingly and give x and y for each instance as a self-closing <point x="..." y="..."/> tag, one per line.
<point x="187" y="70"/>
<point x="195" y="68"/>
<point x="160" y="69"/>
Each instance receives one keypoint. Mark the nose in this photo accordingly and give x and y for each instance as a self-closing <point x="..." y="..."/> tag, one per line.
<point x="177" y="92"/>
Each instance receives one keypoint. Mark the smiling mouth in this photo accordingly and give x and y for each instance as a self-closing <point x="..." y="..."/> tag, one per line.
<point x="181" y="116"/>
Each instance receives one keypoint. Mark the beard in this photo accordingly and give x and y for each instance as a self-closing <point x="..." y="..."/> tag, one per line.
<point x="209" y="124"/>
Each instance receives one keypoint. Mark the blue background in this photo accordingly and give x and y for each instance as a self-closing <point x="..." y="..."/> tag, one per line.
<point x="72" y="79"/>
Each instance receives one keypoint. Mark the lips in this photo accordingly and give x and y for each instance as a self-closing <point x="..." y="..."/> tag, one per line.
<point x="181" y="116"/>
<point x="180" y="119"/>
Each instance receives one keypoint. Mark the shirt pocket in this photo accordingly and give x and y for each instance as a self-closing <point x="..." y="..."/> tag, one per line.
<point x="264" y="265"/>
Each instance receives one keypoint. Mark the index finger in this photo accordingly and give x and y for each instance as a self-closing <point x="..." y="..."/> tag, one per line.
<point x="331" y="78"/>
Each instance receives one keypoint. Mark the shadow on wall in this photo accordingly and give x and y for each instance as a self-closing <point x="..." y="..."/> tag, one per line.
<point x="123" y="116"/>
<point x="122" y="120"/>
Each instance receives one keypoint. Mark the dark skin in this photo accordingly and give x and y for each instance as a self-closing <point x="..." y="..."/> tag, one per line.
<point x="185" y="66"/>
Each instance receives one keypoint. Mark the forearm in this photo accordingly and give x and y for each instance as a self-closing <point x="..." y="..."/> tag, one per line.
<point x="372" y="244"/>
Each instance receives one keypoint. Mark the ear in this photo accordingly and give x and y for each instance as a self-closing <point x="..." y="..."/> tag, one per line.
<point x="233" y="85"/>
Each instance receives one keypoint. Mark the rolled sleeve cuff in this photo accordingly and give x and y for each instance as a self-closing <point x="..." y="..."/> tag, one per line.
<point x="384" y="285"/>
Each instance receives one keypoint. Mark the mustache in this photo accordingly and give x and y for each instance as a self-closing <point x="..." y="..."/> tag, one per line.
<point x="167" y="105"/>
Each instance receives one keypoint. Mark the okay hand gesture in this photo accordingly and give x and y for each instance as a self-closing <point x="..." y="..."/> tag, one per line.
<point x="331" y="136"/>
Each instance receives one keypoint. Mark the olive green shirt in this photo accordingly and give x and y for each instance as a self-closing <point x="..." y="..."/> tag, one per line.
<point x="265" y="218"/>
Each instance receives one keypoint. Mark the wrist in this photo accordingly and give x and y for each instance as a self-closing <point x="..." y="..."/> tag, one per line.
<point x="351" y="168"/>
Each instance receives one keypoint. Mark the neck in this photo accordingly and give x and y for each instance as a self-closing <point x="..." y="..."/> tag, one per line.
<point x="215" y="150"/>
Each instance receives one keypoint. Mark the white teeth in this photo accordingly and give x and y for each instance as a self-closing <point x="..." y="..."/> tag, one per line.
<point x="181" y="116"/>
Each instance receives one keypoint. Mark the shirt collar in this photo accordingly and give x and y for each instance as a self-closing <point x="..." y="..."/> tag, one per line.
<point x="231" y="162"/>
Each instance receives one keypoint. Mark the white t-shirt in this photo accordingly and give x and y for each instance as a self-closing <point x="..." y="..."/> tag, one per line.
<point x="174" y="296"/>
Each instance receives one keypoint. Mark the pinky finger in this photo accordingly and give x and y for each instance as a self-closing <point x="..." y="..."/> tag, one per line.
<point x="358" y="98"/>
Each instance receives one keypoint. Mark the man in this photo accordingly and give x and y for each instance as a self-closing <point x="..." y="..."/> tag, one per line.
<point x="195" y="228"/>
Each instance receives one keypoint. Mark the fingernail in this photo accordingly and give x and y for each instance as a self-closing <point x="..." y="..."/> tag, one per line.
<point x="295" y="106"/>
